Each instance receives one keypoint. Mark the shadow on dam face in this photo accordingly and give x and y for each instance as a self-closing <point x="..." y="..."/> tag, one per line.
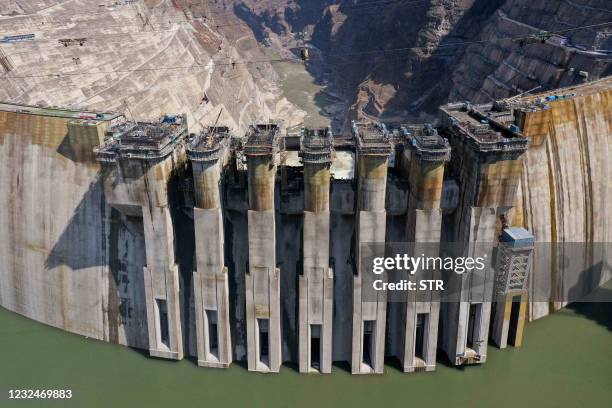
<point x="79" y="245"/>
<point x="99" y="236"/>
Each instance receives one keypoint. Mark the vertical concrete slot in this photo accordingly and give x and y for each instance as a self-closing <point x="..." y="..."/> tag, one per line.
<point x="162" y="319"/>
<point x="422" y="157"/>
<point x="264" y="341"/>
<point x="262" y="282"/>
<point x="315" y="347"/>
<point x="373" y="147"/>
<point x="213" y="334"/>
<point x="474" y="325"/>
<point x="421" y="329"/>
<point x="369" y="328"/>
<point x="316" y="283"/>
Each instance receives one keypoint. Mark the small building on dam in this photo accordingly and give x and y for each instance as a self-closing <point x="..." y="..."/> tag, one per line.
<point x="249" y="246"/>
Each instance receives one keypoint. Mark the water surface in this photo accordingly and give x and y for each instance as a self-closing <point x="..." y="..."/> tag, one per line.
<point x="566" y="361"/>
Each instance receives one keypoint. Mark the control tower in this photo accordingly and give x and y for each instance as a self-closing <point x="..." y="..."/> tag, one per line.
<point x="209" y="153"/>
<point x="139" y="159"/>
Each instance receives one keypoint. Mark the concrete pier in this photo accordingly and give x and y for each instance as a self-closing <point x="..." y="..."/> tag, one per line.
<point x="512" y="267"/>
<point x="209" y="153"/>
<point x="139" y="160"/>
<point x="486" y="161"/>
<point x="264" y="348"/>
<point x="316" y="283"/>
<point x="369" y="316"/>
<point x="422" y="161"/>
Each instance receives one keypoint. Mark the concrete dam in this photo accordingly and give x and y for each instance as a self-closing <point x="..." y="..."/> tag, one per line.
<point x="245" y="247"/>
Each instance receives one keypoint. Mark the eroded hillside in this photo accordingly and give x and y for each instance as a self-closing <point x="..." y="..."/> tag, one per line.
<point x="400" y="60"/>
<point x="143" y="58"/>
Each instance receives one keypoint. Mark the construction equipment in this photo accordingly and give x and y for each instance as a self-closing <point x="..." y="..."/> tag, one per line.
<point x="540" y="37"/>
<point x="66" y="42"/>
<point x="16" y="38"/>
<point x="523" y="93"/>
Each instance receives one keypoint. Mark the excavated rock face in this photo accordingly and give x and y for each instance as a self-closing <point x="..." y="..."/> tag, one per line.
<point x="14" y="7"/>
<point x="144" y="59"/>
<point x="380" y="56"/>
<point x="502" y="68"/>
<point x="395" y="60"/>
<point x="400" y="60"/>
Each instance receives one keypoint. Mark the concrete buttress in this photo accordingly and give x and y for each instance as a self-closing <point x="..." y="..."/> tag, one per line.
<point x="139" y="160"/>
<point x="208" y="152"/>
<point x="316" y="280"/>
<point x="264" y="346"/>
<point x="424" y="155"/>
<point x="369" y="315"/>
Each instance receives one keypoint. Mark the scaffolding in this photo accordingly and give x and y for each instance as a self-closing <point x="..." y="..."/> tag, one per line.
<point x="316" y="145"/>
<point x="426" y="143"/>
<point x="262" y="140"/>
<point x="209" y="145"/>
<point x="142" y="140"/>
<point x="372" y="139"/>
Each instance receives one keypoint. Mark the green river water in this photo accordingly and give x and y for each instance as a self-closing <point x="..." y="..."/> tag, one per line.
<point x="566" y="361"/>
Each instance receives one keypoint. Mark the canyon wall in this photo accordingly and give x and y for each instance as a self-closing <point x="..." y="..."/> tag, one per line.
<point x="403" y="59"/>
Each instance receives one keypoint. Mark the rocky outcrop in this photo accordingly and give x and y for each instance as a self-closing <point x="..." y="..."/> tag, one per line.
<point x="398" y="60"/>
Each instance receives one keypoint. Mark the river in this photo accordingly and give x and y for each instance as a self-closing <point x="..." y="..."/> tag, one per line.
<point x="566" y="361"/>
<point x="322" y="106"/>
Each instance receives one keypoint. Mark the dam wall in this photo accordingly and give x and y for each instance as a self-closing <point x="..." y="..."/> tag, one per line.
<point x="53" y="241"/>
<point x="130" y="233"/>
<point x="565" y="189"/>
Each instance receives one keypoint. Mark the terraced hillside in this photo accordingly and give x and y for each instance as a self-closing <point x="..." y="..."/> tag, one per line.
<point x="142" y="58"/>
